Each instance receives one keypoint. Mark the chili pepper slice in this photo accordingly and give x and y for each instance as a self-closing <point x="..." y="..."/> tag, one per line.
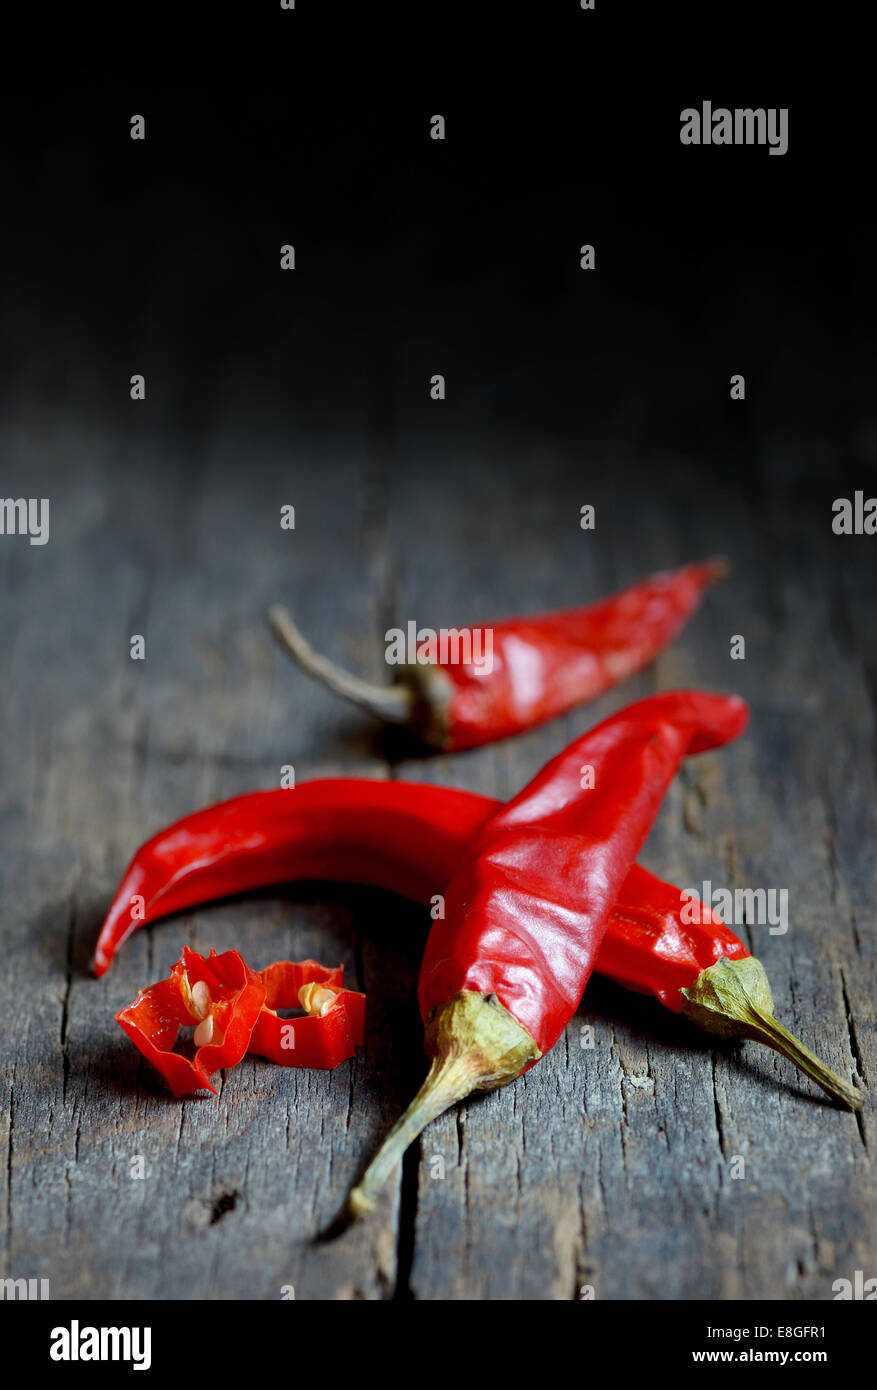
<point x="219" y="994"/>
<point x="541" y="666"/>
<point x="334" y="1022"/>
<point x="235" y="1010"/>
<point x="408" y="838"/>
<point x="529" y="903"/>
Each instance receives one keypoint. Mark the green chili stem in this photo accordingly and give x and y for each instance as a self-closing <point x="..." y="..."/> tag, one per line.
<point x="732" y="998"/>
<point x="475" y="1045"/>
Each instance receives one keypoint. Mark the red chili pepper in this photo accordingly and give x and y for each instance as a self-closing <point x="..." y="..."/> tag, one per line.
<point x="530" y="900"/>
<point x="332" y="1028"/>
<point x="408" y="838"/>
<point x="234" y="1009"/>
<point x="221" y="995"/>
<point x="352" y="831"/>
<point x="540" y="666"/>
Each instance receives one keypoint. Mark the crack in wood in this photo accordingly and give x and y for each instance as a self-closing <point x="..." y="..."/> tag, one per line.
<point x="856" y="1052"/>
<point x="65" y="1002"/>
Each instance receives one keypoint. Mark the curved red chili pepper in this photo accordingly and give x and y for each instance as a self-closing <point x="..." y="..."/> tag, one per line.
<point x="405" y="837"/>
<point x="345" y="829"/>
<point x="530" y="900"/>
<point x="540" y="667"/>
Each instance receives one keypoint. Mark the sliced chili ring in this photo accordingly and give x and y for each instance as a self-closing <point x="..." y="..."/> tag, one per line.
<point x="330" y="1031"/>
<point x="220" y="995"/>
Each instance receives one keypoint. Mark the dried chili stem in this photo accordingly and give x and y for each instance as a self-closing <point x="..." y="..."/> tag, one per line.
<point x="719" y="567"/>
<point x="475" y="1045"/>
<point x="732" y="998"/>
<point x="393" y="703"/>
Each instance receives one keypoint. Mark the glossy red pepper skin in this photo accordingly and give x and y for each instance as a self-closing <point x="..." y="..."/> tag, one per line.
<point x="349" y="830"/>
<point x="522" y="671"/>
<point x="410" y="837"/>
<point x="158" y="1013"/>
<point x="312" y="1041"/>
<point x="649" y="949"/>
<point x="530" y="900"/>
<point x="548" y="664"/>
<point x="401" y="836"/>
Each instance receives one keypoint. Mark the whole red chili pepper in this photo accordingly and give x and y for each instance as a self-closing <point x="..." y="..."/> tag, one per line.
<point x="407" y="838"/>
<point x="540" y="666"/>
<point x="221" y="995"/>
<point x="530" y="900"/>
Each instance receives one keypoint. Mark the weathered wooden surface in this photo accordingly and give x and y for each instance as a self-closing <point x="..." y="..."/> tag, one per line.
<point x="608" y="1167"/>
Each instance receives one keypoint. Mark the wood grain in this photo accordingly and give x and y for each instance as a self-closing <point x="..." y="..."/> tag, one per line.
<point x="608" y="1166"/>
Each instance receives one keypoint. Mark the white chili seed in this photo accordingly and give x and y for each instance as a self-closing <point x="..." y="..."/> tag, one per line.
<point x="204" y="1031"/>
<point x="316" y="999"/>
<point x="201" y="999"/>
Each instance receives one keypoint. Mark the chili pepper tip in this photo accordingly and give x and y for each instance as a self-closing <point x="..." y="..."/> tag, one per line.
<point x="359" y="1206"/>
<point x="732" y="999"/>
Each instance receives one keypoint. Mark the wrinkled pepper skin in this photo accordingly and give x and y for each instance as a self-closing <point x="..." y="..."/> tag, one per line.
<point x="649" y="949"/>
<point x="532" y="896"/>
<point x="404" y="837"/>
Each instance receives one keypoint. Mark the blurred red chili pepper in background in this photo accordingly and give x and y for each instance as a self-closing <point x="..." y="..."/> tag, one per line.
<point x="541" y="666"/>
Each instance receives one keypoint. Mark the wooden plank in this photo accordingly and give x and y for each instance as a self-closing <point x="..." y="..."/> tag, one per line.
<point x="115" y="750"/>
<point x="567" y="1178"/>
